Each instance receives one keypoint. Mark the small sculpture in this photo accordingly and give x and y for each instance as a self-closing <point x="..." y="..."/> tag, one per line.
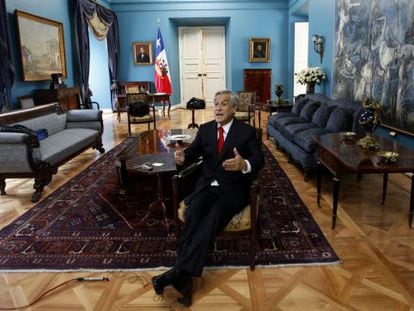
<point x="369" y="119"/>
<point x="279" y="92"/>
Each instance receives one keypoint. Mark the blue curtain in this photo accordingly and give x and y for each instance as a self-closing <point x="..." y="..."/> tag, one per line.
<point x="6" y="65"/>
<point x="85" y="9"/>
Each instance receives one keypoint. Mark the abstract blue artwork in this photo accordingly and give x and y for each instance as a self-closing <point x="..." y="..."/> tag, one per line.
<point x="374" y="57"/>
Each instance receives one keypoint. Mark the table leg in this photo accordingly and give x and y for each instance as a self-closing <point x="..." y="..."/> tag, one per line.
<point x="384" y="187"/>
<point x="122" y="177"/>
<point x="192" y="124"/>
<point x="319" y="182"/>
<point x="157" y="204"/>
<point x="410" y="217"/>
<point x="169" y="109"/>
<point x="335" y="200"/>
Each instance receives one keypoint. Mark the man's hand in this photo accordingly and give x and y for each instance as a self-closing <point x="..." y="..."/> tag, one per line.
<point x="179" y="154"/>
<point x="235" y="164"/>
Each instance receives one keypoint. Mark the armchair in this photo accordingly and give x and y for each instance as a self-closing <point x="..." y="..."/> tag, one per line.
<point x="139" y="110"/>
<point x="243" y="223"/>
<point x="246" y="108"/>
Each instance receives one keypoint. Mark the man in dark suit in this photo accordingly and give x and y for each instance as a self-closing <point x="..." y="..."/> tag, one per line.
<point x="221" y="192"/>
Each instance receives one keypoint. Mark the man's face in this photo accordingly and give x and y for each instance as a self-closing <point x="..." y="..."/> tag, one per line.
<point x="141" y="49"/>
<point x="223" y="109"/>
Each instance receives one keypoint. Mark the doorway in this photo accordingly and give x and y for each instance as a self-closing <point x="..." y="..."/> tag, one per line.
<point x="202" y="62"/>
<point x="301" y="54"/>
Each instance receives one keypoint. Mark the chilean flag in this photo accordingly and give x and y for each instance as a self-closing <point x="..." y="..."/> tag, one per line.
<point x="162" y="70"/>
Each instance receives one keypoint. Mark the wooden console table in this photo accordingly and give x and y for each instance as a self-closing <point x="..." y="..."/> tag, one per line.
<point x="152" y="98"/>
<point x="68" y="98"/>
<point x="342" y="156"/>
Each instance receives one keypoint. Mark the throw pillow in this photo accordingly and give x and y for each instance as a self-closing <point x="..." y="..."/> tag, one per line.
<point x="321" y="115"/>
<point x="339" y="120"/>
<point x="308" y="110"/>
<point x="41" y="134"/>
<point x="299" y="104"/>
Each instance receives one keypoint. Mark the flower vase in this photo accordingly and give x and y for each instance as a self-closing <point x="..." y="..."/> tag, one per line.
<point x="310" y="87"/>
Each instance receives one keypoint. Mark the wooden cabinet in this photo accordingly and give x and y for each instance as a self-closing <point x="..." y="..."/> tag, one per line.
<point x="68" y="98"/>
<point x="259" y="81"/>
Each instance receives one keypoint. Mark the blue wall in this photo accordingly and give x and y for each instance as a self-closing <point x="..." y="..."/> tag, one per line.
<point x="56" y="10"/>
<point x="138" y="22"/>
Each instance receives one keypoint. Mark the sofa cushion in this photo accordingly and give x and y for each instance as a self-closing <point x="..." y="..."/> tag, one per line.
<point x="304" y="138"/>
<point x="281" y="115"/>
<point x="339" y="120"/>
<point x="308" y="110"/>
<point x="290" y="130"/>
<point x="299" y="104"/>
<point x="59" y="146"/>
<point x="281" y="123"/>
<point x="53" y="122"/>
<point x="321" y="115"/>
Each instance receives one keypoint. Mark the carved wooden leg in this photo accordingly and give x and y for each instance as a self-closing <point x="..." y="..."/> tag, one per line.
<point x="2" y="186"/>
<point x="39" y="184"/>
<point x="98" y="145"/>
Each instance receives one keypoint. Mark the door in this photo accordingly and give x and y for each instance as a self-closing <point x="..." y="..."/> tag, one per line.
<point x="202" y="62"/>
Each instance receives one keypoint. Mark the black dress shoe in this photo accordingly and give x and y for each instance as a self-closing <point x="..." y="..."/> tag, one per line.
<point x="184" y="285"/>
<point x="164" y="279"/>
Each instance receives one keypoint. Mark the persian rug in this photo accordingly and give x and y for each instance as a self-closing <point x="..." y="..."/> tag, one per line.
<point x="87" y="225"/>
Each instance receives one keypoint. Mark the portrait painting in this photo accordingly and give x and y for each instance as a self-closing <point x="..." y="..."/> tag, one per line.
<point x="374" y="57"/>
<point x="259" y="50"/>
<point x="142" y="53"/>
<point x="42" y="47"/>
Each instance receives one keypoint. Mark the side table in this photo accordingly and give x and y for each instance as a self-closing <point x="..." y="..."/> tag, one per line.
<point x="157" y="164"/>
<point x="193" y="124"/>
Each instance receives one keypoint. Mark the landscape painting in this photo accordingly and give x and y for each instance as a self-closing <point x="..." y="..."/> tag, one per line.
<point x="42" y="48"/>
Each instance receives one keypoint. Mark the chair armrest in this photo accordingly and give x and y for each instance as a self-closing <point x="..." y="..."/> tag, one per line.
<point x="188" y="170"/>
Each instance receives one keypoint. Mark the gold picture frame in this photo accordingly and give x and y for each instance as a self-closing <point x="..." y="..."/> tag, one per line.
<point x="41" y="45"/>
<point x="142" y="53"/>
<point x="259" y="50"/>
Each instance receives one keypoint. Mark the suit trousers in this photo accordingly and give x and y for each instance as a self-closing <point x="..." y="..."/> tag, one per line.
<point x="207" y="215"/>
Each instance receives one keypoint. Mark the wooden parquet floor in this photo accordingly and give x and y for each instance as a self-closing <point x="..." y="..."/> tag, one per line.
<point x="374" y="242"/>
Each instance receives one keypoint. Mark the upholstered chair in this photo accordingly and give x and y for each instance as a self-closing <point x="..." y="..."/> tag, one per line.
<point x="139" y="110"/>
<point x="243" y="223"/>
<point x="246" y="108"/>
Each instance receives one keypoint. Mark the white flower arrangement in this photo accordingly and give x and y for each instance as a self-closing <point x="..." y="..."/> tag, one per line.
<point x="311" y="74"/>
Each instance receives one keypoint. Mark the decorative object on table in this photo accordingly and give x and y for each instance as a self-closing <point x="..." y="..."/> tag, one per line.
<point x="318" y="45"/>
<point x="388" y="156"/>
<point x="369" y="119"/>
<point x="310" y="76"/>
<point x="279" y="92"/>
<point x="57" y="81"/>
<point x="259" y="50"/>
<point x="42" y="46"/>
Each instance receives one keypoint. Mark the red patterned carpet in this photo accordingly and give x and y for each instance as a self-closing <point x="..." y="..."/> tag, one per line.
<point x="87" y="224"/>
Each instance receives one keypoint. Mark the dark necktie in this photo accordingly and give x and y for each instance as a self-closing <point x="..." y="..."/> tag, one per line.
<point x="220" y="141"/>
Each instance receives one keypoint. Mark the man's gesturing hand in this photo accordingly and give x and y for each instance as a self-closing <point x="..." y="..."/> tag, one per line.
<point x="179" y="154"/>
<point x="235" y="164"/>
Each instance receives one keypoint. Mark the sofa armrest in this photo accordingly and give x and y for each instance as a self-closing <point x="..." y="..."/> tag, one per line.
<point x="83" y="115"/>
<point x="85" y="118"/>
<point x="16" y="152"/>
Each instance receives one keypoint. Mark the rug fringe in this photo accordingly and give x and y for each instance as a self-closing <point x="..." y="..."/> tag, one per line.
<point x="270" y="266"/>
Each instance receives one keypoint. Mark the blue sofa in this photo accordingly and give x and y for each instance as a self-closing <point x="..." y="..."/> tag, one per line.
<point x="311" y="115"/>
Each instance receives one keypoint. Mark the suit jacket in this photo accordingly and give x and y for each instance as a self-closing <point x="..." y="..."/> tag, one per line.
<point x="235" y="185"/>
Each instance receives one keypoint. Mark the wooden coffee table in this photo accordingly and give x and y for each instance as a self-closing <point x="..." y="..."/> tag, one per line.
<point x="155" y="148"/>
<point x="342" y="156"/>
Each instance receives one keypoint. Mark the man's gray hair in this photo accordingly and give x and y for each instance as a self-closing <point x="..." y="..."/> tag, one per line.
<point x="233" y="96"/>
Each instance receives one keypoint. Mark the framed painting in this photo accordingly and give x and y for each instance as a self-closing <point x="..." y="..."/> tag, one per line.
<point x="259" y="50"/>
<point x="42" y="47"/>
<point x="142" y="53"/>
